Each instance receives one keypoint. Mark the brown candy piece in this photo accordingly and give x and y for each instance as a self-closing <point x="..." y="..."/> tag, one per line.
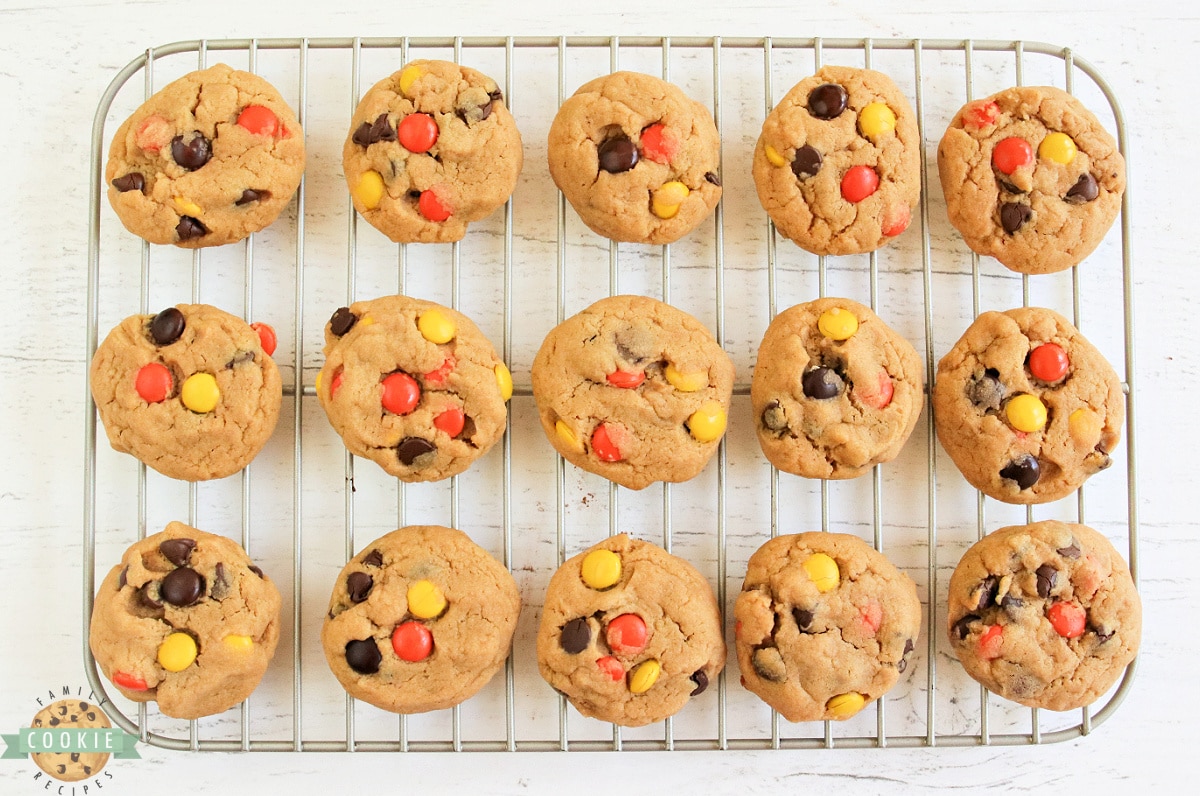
<point x="182" y="587"/>
<point x="177" y="551"/>
<point x="193" y="152"/>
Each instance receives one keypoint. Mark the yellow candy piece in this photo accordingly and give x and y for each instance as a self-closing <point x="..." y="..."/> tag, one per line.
<point x="876" y="119"/>
<point x="708" y="422"/>
<point x="567" y="436"/>
<point x="644" y="676"/>
<point x="773" y="156"/>
<point x="187" y="208"/>
<point x="504" y="381"/>
<point x="837" y="323"/>
<point x="1058" y="147"/>
<point x="409" y="75"/>
<point x="1026" y="412"/>
<point x="177" y="652"/>
<point x="686" y="382"/>
<point x="601" y="569"/>
<point x="318" y="384"/>
<point x="238" y="643"/>
<point x="425" y="600"/>
<point x="823" y="571"/>
<point x="200" y="393"/>
<point x="1084" y="425"/>
<point x="668" y="198"/>
<point x="366" y="320"/>
<point x="369" y="191"/>
<point x="843" y="706"/>
<point x="436" y="327"/>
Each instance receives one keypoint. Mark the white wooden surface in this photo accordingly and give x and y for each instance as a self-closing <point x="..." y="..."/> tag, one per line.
<point x="55" y="62"/>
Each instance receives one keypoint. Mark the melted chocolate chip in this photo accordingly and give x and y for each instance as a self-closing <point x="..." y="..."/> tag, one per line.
<point x="342" y="321"/>
<point x="575" y="636"/>
<point x="257" y="571"/>
<point x="193" y="153"/>
<point x="165" y="328"/>
<point x="963" y="626"/>
<point x="468" y="429"/>
<point x="1013" y="216"/>
<point x="617" y="154"/>
<point x="986" y="391"/>
<point x="252" y="195"/>
<point x="700" y="678"/>
<point x="806" y="163"/>
<point x="190" y="228"/>
<point x="221" y="583"/>
<point x="987" y="589"/>
<point x="373" y="559"/>
<point x="370" y="133"/>
<point x="182" y="587"/>
<point x="1070" y="551"/>
<point x="358" y="586"/>
<point x="123" y="578"/>
<point x="803" y="618"/>
<point x="715" y="180"/>
<point x="768" y="663"/>
<point x="363" y="656"/>
<point x="1085" y="189"/>
<point x="774" y="417"/>
<point x="148" y="595"/>
<point x="177" y="551"/>
<point x="1046" y="575"/>
<point x="131" y="182"/>
<point x="822" y="383"/>
<point x="827" y="101"/>
<point x="1008" y="187"/>
<point x="412" y="448"/>
<point x="1025" y="470"/>
<point x="1010" y="603"/>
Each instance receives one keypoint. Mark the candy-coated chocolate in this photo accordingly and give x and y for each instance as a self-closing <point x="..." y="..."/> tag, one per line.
<point x="822" y="383"/>
<point x="871" y="616"/>
<point x="1058" y="147"/>
<point x="412" y="642"/>
<point x="626" y="380"/>
<point x="167" y="326"/>
<point x="336" y="383"/>
<point x="843" y="706"/>
<point x="827" y="101"/>
<point x="401" y="393"/>
<point x="604" y="446"/>
<point x="601" y="569"/>
<point x="707" y="424"/>
<point x="837" y="323"/>
<point x="1011" y="154"/>
<point x="1049" y="362"/>
<point x="575" y="636"/>
<point x="980" y="114"/>
<point x="363" y="655"/>
<point x="876" y="119"/>
<point x="1068" y="619"/>
<point x="187" y="207"/>
<point x="1026" y="413"/>
<point x="858" y="183"/>
<point x="659" y="143"/>
<point x="897" y="221"/>
<point x="644" y="676"/>
<point x="611" y="668"/>
<point x="447" y="367"/>
<point x="154" y="382"/>
<point x="667" y="199"/>
<point x="685" y="382"/>
<point x="129" y="682"/>
<point x="417" y="132"/>
<point x="182" y="587"/>
<point x="433" y="207"/>
<point x="259" y="120"/>
<point x="881" y="396"/>
<point x="369" y="190"/>
<point x="823" y="571"/>
<point x="153" y="133"/>
<point x="991" y="643"/>
<point x="773" y="156"/>
<point x="1025" y="470"/>
<point x="425" y="600"/>
<point x="807" y="162"/>
<point x="1085" y="426"/>
<point x="567" y="436"/>
<point x="177" y="652"/>
<point x="266" y="337"/>
<point x="450" y="421"/>
<point x="617" y="154"/>
<point x="238" y="643"/>
<point x="504" y="381"/>
<point x="627" y="634"/>
<point x="200" y="393"/>
<point x="409" y="75"/>
<point x="436" y="327"/>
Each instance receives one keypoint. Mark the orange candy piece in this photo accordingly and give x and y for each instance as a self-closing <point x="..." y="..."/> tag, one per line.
<point x="611" y="668"/>
<point x="417" y="132"/>
<point x="659" y="144"/>
<point x="432" y="207"/>
<point x="980" y="114"/>
<point x="627" y="634"/>
<point x="604" y="445"/>
<point x="259" y="120"/>
<point x="881" y="396"/>
<point x="990" y="643"/>
<point x="401" y="393"/>
<point x="154" y="382"/>
<point x="153" y="133"/>
<point x="901" y="218"/>
<point x="625" y="379"/>
<point x="858" y="183"/>
<point x="129" y="682"/>
<point x="451" y="421"/>
<point x="1049" y="362"/>
<point x="336" y="383"/>
<point x="1011" y="154"/>
<point x="1067" y="619"/>
<point x="438" y="376"/>
<point x="412" y="642"/>
<point x="266" y="336"/>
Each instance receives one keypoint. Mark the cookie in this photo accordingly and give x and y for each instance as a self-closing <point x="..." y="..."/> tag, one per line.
<point x="629" y="633"/>
<point x="637" y="158"/>
<point x="837" y="165"/>
<point x="835" y="390"/>
<point x="70" y="766"/>
<point x="191" y="391"/>
<point x="1026" y="407"/>
<point x="209" y="159"/>
<point x="185" y="620"/>
<point x="634" y="390"/>
<point x="431" y="149"/>
<point x="1044" y="614"/>
<point x="420" y="620"/>
<point x="825" y="625"/>
<point x="413" y="386"/>
<point x="1031" y="178"/>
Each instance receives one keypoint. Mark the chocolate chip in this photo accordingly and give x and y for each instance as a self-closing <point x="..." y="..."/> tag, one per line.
<point x="123" y="578"/>
<point x="193" y="153"/>
<point x="774" y="417"/>
<point x="148" y="595"/>
<point x="575" y="636"/>
<point x="342" y="321"/>
<point x="1070" y="551"/>
<point x="806" y="163"/>
<point x="221" y="583"/>
<point x="1046" y="575"/>
<point x="240" y="358"/>
<point x="769" y="665"/>
<point x="700" y="678"/>
<point x="189" y="228"/>
<point x="1085" y="189"/>
<point x="986" y="391"/>
<point x="827" y="101"/>
<point x="165" y="328"/>
<point x="963" y="626"/>
<point x="803" y="618"/>
<point x="370" y="133"/>
<point x="182" y="587"/>
<point x="1025" y="470"/>
<point x="822" y="383"/>
<point x="715" y="180"/>
<point x="1008" y="187"/>
<point x="177" y="551"/>
<point x="1013" y="216"/>
<point x="617" y="154"/>
<point x="136" y="182"/>
<point x="468" y="429"/>
<point x="252" y="195"/>
<point x="1011" y="604"/>
<point x="358" y="586"/>
<point x="986" y="590"/>
<point x="257" y="571"/>
<point x="412" y="448"/>
<point x="1103" y="634"/>
<point x="373" y="559"/>
<point x="363" y="656"/>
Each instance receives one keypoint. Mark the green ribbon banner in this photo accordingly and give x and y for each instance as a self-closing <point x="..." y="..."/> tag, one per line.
<point x="35" y="740"/>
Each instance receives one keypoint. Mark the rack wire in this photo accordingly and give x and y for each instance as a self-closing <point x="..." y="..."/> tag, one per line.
<point x="926" y="284"/>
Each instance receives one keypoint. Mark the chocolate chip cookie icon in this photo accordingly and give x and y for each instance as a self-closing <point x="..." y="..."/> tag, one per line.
<point x="70" y="766"/>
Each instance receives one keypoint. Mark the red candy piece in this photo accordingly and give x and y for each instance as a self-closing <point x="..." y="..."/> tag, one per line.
<point x="603" y="444"/>
<point x="1067" y="619"/>
<point x="627" y="634"/>
<point x="1049" y="362"/>
<point x="612" y="668"/>
<point x="899" y="222"/>
<point x="871" y="616"/>
<point x="625" y="379"/>
<point x="431" y="207"/>
<point x="990" y="643"/>
<point x="336" y="383"/>
<point x="266" y="336"/>
<point x="659" y="144"/>
<point x="1011" y="154"/>
<point x="451" y="421"/>
<point x="980" y="114"/>
<point x="412" y="642"/>
<point x="129" y="682"/>
<point x="259" y="120"/>
<point x="858" y="183"/>
<point x="401" y="393"/>
<point x="438" y="376"/>
<point x="417" y="132"/>
<point x="153" y="133"/>
<point x="881" y="396"/>
<point x="154" y="382"/>
<point x="737" y="629"/>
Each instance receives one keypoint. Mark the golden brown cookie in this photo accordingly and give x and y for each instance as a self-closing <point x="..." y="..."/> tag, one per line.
<point x="634" y="390"/>
<point x="420" y="620"/>
<point x="629" y="633"/>
<point x="1031" y="178"/>
<point x="413" y="386"/>
<point x="636" y="157"/>
<point x="192" y="391"/>
<point x="210" y="158"/>
<point x="1044" y="614"/>
<point x="185" y="620"/>
<point x="430" y="149"/>
<point x="824" y="625"/>
<point x="838" y="163"/>
<point x="70" y="766"/>
<point x="835" y="390"/>
<point x="1026" y="407"/>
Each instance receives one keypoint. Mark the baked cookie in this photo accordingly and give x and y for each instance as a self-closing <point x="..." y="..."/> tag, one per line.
<point x="70" y="766"/>
<point x="629" y="633"/>
<point x="634" y="390"/>
<point x="835" y="391"/>
<point x="824" y="625"/>
<point x="413" y="386"/>
<point x="192" y="391"/>
<point x="212" y="157"/>
<point x="1031" y="178"/>
<point x="838" y="163"/>
<point x="430" y="149"/>
<point x="185" y="620"/>
<point x="1044" y="614"/>
<point x="1026" y="407"/>
<point x="420" y="620"/>
<point x="636" y="157"/>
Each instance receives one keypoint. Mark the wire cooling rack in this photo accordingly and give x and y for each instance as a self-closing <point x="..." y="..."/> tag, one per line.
<point x="305" y="506"/>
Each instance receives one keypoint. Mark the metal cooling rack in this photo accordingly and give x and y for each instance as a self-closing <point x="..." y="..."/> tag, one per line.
<point x="929" y="508"/>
